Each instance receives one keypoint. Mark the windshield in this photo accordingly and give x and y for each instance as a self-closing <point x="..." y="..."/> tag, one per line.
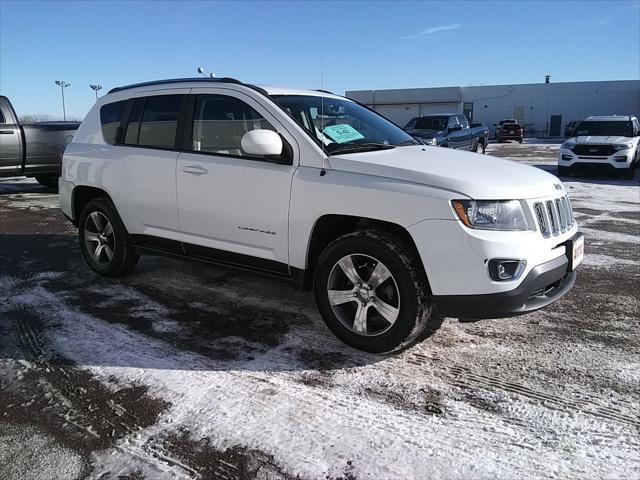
<point x="431" y="123"/>
<point x="603" y="129"/>
<point x="342" y="126"/>
<point x="504" y="122"/>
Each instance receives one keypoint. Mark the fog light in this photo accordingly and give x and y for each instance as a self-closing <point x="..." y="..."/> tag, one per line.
<point x="501" y="270"/>
<point x="567" y="157"/>
<point x="620" y="158"/>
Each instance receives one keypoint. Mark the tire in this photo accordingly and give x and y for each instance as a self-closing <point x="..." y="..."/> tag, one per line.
<point x="628" y="173"/>
<point x="404" y="296"/>
<point x="564" y="171"/>
<point x="49" y="181"/>
<point x="117" y="257"/>
<point x="520" y="140"/>
<point x="480" y="147"/>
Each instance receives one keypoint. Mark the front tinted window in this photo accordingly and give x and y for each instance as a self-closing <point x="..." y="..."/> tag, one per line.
<point x="604" y="128"/>
<point x="160" y="121"/>
<point x="220" y="122"/>
<point x="432" y="123"/>
<point x="110" y="117"/>
<point x="342" y="124"/>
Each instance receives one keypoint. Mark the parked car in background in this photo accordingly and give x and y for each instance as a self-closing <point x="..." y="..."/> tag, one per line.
<point x="381" y="227"/>
<point x="611" y="141"/>
<point x="32" y="150"/>
<point x="509" y="129"/>
<point x="568" y="128"/>
<point x="447" y="130"/>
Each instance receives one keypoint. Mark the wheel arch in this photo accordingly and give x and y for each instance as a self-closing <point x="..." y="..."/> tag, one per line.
<point x="330" y="227"/>
<point x="81" y="196"/>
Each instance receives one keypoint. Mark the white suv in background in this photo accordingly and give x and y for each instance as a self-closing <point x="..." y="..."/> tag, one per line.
<point x="607" y="140"/>
<point x="318" y="189"/>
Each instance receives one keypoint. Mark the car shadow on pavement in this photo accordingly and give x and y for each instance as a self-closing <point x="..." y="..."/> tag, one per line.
<point x="15" y="188"/>
<point x="167" y="314"/>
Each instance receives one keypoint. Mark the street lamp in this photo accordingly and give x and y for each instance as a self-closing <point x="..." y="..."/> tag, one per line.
<point x="62" y="84"/>
<point x="95" y="88"/>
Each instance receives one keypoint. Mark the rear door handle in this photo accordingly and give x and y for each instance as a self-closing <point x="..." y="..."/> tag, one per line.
<point x="7" y="132"/>
<point x="194" y="169"/>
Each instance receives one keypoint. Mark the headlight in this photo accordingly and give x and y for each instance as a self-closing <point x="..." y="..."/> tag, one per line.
<point x="492" y="214"/>
<point x="569" y="145"/>
<point x="622" y="146"/>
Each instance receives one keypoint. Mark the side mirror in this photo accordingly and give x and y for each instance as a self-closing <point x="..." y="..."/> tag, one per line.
<point x="261" y="142"/>
<point x="455" y="128"/>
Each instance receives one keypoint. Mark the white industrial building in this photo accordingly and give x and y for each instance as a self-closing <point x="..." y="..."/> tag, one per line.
<point x="543" y="108"/>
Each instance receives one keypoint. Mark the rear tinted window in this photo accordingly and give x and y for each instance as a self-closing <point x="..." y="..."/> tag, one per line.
<point x="160" y="121"/>
<point x="110" y="117"/>
<point x="432" y="123"/>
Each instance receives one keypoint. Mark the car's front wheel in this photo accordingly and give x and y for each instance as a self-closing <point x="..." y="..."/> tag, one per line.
<point x="480" y="148"/>
<point x="104" y="240"/>
<point x="372" y="292"/>
<point x="564" y="171"/>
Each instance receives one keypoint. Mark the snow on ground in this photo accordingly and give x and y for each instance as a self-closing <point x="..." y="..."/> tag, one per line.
<point x="185" y="371"/>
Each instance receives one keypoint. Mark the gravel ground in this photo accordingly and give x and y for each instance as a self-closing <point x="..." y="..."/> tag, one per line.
<point x="187" y="371"/>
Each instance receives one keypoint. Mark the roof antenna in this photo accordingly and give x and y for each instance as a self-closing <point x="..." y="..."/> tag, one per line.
<point x="323" y="172"/>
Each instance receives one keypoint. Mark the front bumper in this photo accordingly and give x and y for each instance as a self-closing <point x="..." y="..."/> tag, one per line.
<point x="544" y="284"/>
<point x="619" y="160"/>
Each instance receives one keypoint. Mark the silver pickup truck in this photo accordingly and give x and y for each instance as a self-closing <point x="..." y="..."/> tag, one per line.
<point x="32" y="150"/>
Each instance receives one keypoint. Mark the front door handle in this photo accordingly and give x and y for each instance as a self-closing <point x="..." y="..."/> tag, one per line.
<point x="194" y="169"/>
<point x="7" y="132"/>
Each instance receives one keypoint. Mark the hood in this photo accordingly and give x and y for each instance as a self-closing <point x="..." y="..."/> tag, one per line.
<point x="424" y="133"/>
<point x="601" y="140"/>
<point x="470" y="174"/>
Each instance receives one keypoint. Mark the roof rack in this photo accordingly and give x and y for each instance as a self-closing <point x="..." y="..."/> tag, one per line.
<point x="189" y="80"/>
<point x="324" y="91"/>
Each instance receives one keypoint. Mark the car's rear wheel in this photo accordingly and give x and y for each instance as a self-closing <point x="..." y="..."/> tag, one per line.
<point x="480" y="147"/>
<point x="371" y="292"/>
<point x="50" y="181"/>
<point x="104" y="241"/>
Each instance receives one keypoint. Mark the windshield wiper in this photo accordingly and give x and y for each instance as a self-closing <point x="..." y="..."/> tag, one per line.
<point x="363" y="147"/>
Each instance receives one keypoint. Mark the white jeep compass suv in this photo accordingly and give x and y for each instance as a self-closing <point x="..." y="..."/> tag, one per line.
<point x="612" y="141"/>
<point x="318" y="189"/>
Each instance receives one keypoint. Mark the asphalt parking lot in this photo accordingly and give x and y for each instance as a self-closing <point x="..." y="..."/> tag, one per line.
<point x="188" y="371"/>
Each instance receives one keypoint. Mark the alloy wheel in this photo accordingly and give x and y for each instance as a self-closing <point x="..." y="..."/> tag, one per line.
<point x="99" y="238"/>
<point x="363" y="294"/>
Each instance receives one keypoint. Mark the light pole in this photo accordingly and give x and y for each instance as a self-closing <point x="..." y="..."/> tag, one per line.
<point x="95" y="88"/>
<point x="62" y="84"/>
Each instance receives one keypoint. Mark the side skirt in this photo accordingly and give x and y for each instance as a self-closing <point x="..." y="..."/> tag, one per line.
<point x="150" y="245"/>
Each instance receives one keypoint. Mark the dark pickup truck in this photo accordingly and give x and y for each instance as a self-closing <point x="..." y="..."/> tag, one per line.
<point x="448" y="130"/>
<point x="32" y="150"/>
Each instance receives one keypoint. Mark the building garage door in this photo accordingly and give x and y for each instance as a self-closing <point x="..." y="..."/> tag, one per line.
<point x="398" y="114"/>
<point x="431" y="108"/>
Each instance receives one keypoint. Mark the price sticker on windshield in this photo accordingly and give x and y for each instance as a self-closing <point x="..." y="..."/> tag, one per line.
<point x="342" y="133"/>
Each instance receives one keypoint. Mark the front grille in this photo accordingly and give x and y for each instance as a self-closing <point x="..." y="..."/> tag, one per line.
<point x="554" y="216"/>
<point x="594" y="150"/>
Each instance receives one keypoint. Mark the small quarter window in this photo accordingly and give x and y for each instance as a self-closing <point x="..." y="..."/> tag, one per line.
<point x="110" y="117"/>
<point x="220" y="123"/>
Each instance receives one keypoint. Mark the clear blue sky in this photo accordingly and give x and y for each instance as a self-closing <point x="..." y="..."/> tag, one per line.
<point x="367" y="45"/>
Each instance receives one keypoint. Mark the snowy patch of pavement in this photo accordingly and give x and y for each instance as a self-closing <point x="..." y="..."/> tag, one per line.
<point x="210" y="373"/>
